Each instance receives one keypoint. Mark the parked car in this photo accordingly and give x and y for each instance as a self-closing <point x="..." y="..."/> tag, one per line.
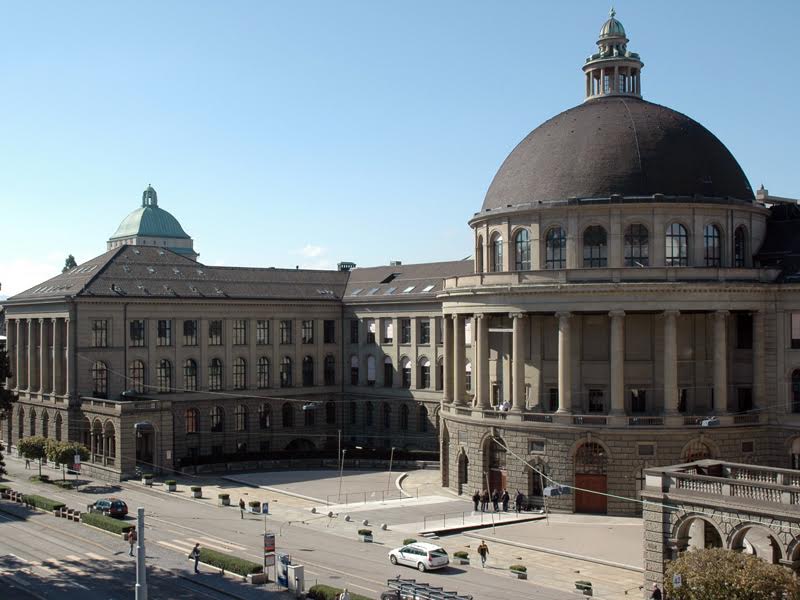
<point x="111" y="507"/>
<point x="421" y="555"/>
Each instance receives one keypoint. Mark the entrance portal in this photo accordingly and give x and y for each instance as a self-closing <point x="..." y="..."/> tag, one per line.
<point x="496" y="464"/>
<point x="591" y="466"/>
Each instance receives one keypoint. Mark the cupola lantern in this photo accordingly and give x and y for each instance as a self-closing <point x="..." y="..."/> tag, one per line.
<point x="613" y="70"/>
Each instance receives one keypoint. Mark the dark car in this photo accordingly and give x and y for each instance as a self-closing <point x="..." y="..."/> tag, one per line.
<point x="111" y="507"/>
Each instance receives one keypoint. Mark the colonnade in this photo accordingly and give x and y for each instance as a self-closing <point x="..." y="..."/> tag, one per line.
<point x="455" y="362"/>
<point x="40" y="351"/>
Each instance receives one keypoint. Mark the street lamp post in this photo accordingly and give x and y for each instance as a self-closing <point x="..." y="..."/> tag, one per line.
<point x="141" y="573"/>
<point x="391" y="460"/>
<point x="341" y="469"/>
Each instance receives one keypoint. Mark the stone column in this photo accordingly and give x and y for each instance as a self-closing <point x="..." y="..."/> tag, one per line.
<point x="31" y="356"/>
<point x="564" y="371"/>
<point x="484" y="399"/>
<point x="458" y="363"/>
<point x="720" y="361"/>
<point x="758" y="359"/>
<point x="68" y="358"/>
<point x="617" y="375"/>
<point x="44" y="355"/>
<point x="13" y="348"/>
<point x="671" y="361"/>
<point x="518" y="361"/>
<point x="58" y="358"/>
<point x="449" y="359"/>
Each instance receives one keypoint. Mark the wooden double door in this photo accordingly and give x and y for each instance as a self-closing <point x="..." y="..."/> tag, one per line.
<point x="586" y="502"/>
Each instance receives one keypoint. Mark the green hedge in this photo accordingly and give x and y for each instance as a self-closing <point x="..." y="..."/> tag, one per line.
<point x="326" y="592"/>
<point x="408" y="541"/>
<point x="196" y="488"/>
<point x="520" y="568"/>
<point x="4" y="487"/>
<point x="460" y="554"/>
<point x="107" y="523"/>
<point x="230" y="563"/>
<point x="43" y="503"/>
<point x="222" y="496"/>
<point x="40" y="478"/>
<point x="170" y="482"/>
<point x="64" y="485"/>
<point x="365" y="532"/>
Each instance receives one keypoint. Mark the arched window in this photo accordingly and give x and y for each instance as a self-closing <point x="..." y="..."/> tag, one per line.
<point x="287" y="415"/>
<point x="241" y="417"/>
<point x="424" y="374"/>
<point x="468" y="377"/>
<point x="32" y="419"/>
<point x="21" y="421"/>
<point x="262" y="372"/>
<point x="99" y="380"/>
<point x="58" y="424"/>
<point x="496" y="253"/>
<point x="387" y="415"/>
<point x="330" y="412"/>
<point x="264" y="416"/>
<point x="595" y="247"/>
<point x="371" y="370"/>
<point x="368" y="414"/>
<point x="711" y="246"/>
<point x="479" y="256"/>
<point x="164" y="376"/>
<point x="405" y="369"/>
<point x="286" y="372"/>
<point x="740" y="247"/>
<point x="404" y="417"/>
<point x="136" y="372"/>
<point x="423" y="419"/>
<point x="191" y="416"/>
<point x="637" y="246"/>
<point x="555" y="249"/>
<point x="796" y="391"/>
<point x="677" y="246"/>
<point x="239" y="373"/>
<point x="111" y="439"/>
<point x="388" y="372"/>
<point x="215" y="374"/>
<point x="353" y="370"/>
<point x="217" y="419"/>
<point x="308" y="417"/>
<point x="308" y="371"/>
<point x="45" y="424"/>
<point x="190" y="375"/>
<point x="522" y="251"/>
<point x="330" y="370"/>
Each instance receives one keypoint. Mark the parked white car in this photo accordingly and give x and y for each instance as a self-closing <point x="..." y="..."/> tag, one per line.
<point x="420" y="555"/>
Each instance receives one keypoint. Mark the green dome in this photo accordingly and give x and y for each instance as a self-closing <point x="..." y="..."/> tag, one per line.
<point x="612" y="28"/>
<point x="149" y="220"/>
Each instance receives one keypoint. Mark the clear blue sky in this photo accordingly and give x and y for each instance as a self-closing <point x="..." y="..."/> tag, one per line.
<point x="286" y="133"/>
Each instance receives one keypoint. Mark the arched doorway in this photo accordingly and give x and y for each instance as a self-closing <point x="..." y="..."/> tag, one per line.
<point x="495" y="456"/>
<point x="145" y="441"/>
<point x="536" y="485"/>
<point x="591" y="467"/>
<point x="757" y="541"/>
<point x="695" y="533"/>
<point x="444" y="459"/>
<point x="696" y="449"/>
<point x="463" y="471"/>
<point x="300" y="445"/>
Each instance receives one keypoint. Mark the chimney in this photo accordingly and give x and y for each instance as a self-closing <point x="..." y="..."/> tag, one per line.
<point x="346" y="266"/>
<point x="395" y="263"/>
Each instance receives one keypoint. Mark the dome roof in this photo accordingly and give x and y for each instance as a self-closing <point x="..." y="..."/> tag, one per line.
<point x="612" y="28"/>
<point x="617" y="145"/>
<point x="150" y="221"/>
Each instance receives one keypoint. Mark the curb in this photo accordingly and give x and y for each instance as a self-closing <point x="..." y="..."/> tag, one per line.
<point x="590" y="559"/>
<point x="463" y="528"/>
<point x="200" y="583"/>
<point x="277" y="491"/>
<point x="398" y="483"/>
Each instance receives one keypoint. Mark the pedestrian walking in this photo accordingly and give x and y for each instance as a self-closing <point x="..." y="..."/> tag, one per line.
<point x="483" y="552"/>
<point x="27" y="463"/>
<point x="505" y="498"/>
<point x="485" y="501"/>
<point x="656" y="593"/>
<point x="132" y="537"/>
<point x="345" y="595"/>
<point x="476" y="497"/>
<point x="496" y="500"/>
<point x="195" y="554"/>
<point x="241" y="507"/>
<point x="518" y="501"/>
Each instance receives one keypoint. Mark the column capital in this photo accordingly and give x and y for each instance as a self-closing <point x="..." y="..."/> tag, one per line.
<point x="721" y="314"/>
<point x="517" y="315"/>
<point x="671" y="312"/>
<point x="563" y="315"/>
<point x="54" y="319"/>
<point x="616" y="313"/>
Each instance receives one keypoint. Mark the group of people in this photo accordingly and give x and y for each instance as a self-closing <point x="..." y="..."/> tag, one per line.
<point x="496" y="498"/>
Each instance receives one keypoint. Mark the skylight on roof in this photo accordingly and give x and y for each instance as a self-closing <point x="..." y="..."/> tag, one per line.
<point x="372" y="292"/>
<point x="391" y="291"/>
<point x="389" y="278"/>
<point x="428" y="288"/>
<point x="356" y="291"/>
<point x="176" y="270"/>
<point x="126" y="268"/>
<point x="200" y="271"/>
<point x="151" y="270"/>
<point x="409" y="289"/>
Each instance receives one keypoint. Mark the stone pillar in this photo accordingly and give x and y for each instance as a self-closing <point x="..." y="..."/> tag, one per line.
<point x="31" y="356"/>
<point x="13" y="348"/>
<point x="458" y="363"/>
<point x="449" y="359"/>
<point x="44" y="355"/>
<point x="617" y="375"/>
<point x="68" y="358"/>
<point x="720" y="361"/>
<point x="671" y="397"/>
<point x="482" y="360"/>
<point x="58" y="358"/>
<point x="758" y="360"/>
<point x="518" y="361"/>
<point x="564" y="371"/>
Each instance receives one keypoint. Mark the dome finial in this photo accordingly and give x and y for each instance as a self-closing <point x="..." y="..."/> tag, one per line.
<point x="149" y="196"/>
<point x="612" y="13"/>
<point x="613" y="69"/>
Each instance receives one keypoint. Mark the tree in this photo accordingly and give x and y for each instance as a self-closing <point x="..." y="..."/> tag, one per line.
<point x="2" y="462"/>
<point x="69" y="264"/>
<point x="717" y="573"/>
<point x="34" y="448"/>
<point x="7" y="397"/>
<point x="64" y="453"/>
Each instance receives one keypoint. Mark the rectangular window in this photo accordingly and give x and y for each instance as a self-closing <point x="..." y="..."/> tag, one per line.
<point x="353" y="331"/>
<point x="405" y="331"/>
<point x="748" y="447"/>
<point x="262" y="332"/>
<point x="425" y="331"/>
<point x="100" y="334"/>
<point x="596" y="404"/>
<point x="638" y="401"/>
<point x="164" y="337"/>
<point x="795" y="330"/>
<point x="439" y="331"/>
<point x="371" y="331"/>
<point x="388" y="331"/>
<point x="329" y="331"/>
<point x="240" y="332"/>
<point x="683" y="395"/>
<point x="136" y="328"/>
<point x="468" y="331"/>
<point x="744" y="399"/>
<point x="536" y="446"/>
<point x="286" y="332"/>
<point x="744" y="331"/>
<point x="215" y="333"/>
<point x="553" y="404"/>
<point x="190" y="333"/>
<point x="646" y="449"/>
<point x="308" y="332"/>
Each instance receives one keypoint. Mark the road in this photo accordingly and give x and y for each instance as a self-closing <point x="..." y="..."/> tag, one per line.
<point x="175" y="523"/>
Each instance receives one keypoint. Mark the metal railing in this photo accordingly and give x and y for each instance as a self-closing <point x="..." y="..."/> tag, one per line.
<point x="370" y="496"/>
<point x="409" y="588"/>
<point x="454" y="519"/>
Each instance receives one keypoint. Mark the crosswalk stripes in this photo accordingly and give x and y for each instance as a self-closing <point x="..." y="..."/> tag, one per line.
<point x="186" y="545"/>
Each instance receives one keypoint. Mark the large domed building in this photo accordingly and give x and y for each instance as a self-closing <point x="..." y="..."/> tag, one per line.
<point x="621" y="311"/>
